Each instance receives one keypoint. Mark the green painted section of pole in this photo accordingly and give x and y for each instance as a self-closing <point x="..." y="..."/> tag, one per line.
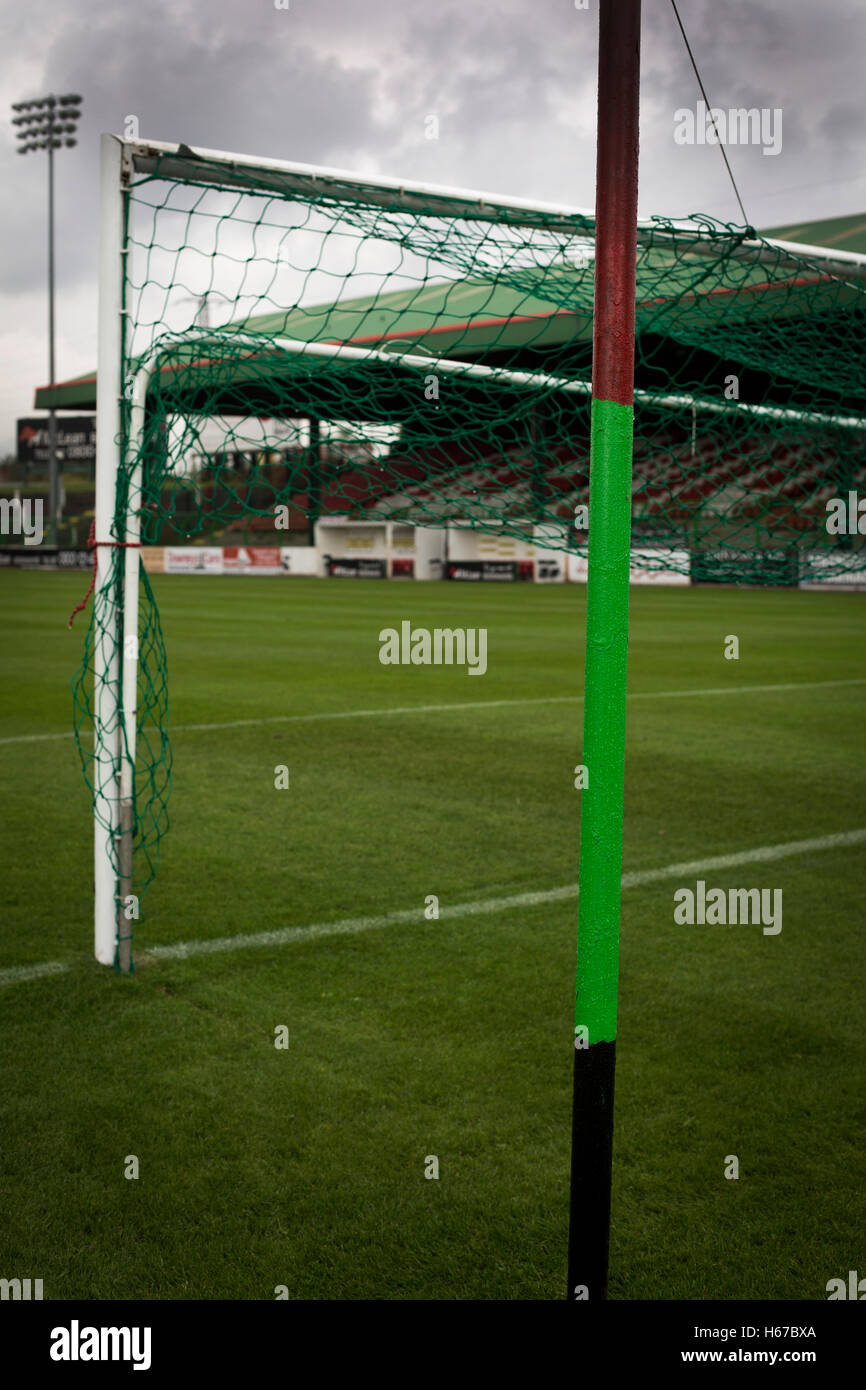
<point x="604" y="718"/>
<point x="611" y="442"/>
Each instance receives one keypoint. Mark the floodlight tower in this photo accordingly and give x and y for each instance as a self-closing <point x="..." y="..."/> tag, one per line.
<point x="47" y="124"/>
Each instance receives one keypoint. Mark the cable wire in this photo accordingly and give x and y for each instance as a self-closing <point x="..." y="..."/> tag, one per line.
<point x="710" y="110"/>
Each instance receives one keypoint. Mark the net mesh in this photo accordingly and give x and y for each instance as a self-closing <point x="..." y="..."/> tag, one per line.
<point x="305" y="349"/>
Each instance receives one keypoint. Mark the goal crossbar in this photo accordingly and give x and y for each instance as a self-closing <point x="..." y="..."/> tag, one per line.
<point x="224" y="169"/>
<point x="261" y="345"/>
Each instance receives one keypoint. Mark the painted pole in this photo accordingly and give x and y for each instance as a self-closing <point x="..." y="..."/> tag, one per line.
<point x="106" y="623"/>
<point x="612" y="430"/>
<point x="53" y="471"/>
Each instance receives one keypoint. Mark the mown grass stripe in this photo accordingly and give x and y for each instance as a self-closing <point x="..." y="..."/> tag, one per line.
<point x="463" y="705"/>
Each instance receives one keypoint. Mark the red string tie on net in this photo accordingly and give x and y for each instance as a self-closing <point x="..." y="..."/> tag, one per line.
<point x="92" y="545"/>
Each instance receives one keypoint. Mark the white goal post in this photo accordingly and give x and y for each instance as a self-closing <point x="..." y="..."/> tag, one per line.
<point x="107" y="734"/>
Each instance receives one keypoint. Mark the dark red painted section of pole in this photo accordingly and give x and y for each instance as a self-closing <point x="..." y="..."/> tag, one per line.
<point x="610" y="471"/>
<point x="616" y="200"/>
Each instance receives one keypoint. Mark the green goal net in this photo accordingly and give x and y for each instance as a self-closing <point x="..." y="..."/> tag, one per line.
<point x="296" y="344"/>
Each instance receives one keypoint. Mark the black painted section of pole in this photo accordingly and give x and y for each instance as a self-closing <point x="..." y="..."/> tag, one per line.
<point x="591" y="1159"/>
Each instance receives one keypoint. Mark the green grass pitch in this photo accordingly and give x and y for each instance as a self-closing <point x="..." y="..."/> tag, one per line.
<point x="305" y="1167"/>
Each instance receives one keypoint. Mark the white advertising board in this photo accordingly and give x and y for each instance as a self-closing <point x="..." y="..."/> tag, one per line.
<point x="657" y="567"/>
<point x="193" y="559"/>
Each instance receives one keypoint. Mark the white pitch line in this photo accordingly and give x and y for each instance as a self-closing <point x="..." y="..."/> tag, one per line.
<point x="350" y="926"/>
<point x="741" y="689"/>
<point x="17" y="974"/>
<point x="377" y="713"/>
<point x="464" y="705"/>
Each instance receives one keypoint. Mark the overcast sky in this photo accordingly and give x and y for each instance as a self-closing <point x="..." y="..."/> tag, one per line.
<point x="349" y="83"/>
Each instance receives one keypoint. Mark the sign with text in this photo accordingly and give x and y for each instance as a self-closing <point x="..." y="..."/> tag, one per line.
<point x="481" y="569"/>
<point x="340" y="568"/>
<point x="186" y="559"/>
<point x="76" y="441"/>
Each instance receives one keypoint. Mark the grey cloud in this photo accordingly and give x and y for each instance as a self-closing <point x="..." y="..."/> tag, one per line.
<point x="348" y="83"/>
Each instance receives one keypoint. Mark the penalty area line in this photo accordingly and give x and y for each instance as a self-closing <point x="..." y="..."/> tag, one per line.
<point x="385" y="710"/>
<point x="350" y="926"/>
